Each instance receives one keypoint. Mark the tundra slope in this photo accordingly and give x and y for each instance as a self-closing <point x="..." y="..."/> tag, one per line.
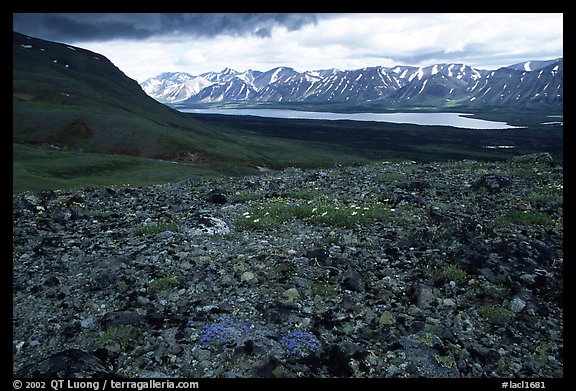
<point x="387" y="270"/>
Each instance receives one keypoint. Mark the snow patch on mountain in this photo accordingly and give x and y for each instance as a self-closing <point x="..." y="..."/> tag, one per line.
<point x="518" y="84"/>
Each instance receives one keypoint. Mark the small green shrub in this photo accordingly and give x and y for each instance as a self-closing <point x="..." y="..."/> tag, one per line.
<point x="451" y="273"/>
<point x="273" y="213"/>
<point x="156" y="228"/>
<point x="445" y="361"/>
<point x="125" y="336"/>
<point x="523" y="218"/>
<point x="496" y="314"/>
<point x="390" y="177"/>
<point x="324" y="289"/>
<point x="551" y="196"/>
<point x="386" y="319"/>
<point x="495" y="290"/>
<point x="161" y="284"/>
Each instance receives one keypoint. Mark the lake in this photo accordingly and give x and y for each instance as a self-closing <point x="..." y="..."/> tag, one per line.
<point x="458" y="120"/>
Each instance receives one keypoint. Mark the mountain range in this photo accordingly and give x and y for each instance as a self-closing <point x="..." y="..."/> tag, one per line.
<point x="526" y="84"/>
<point x="78" y="120"/>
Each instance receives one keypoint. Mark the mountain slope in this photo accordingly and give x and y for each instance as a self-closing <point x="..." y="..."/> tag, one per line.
<point x="525" y="85"/>
<point x="76" y="101"/>
<point x="540" y="88"/>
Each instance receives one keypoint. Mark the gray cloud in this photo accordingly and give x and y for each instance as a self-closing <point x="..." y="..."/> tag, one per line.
<point x="102" y="27"/>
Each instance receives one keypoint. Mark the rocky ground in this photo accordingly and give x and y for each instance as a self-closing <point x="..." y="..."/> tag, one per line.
<point x="387" y="270"/>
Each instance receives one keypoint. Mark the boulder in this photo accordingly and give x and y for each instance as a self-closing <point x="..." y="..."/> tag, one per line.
<point x="69" y="363"/>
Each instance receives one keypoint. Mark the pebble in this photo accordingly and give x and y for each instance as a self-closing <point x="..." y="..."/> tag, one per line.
<point x="247" y="277"/>
<point x="449" y="302"/>
<point x="87" y="323"/>
<point x="291" y="294"/>
<point x="517" y="304"/>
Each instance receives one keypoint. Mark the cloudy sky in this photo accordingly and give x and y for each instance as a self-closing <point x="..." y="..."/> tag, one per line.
<point x="145" y="45"/>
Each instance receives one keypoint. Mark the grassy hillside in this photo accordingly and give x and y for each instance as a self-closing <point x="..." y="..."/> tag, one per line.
<point x="79" y="100"/>
<point x="37" y="168"/>
<point x="68" y="99"/>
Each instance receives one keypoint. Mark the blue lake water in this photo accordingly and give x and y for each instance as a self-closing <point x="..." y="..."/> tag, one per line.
<point x="457" y="120"/>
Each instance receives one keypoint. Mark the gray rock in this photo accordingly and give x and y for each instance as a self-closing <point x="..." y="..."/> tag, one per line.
<point x="492" y="183"/>
<point x="517" y="304"/>
<point x="302" y="282"/>
<point x="291" y="294"/>
<point x="353" y="281"/>
<point x="202" y="224"/>
<point x="428" y="360"/>
<point x="358" y="287"/>
<point x="70" y="363"/>
<point x="142" y="300"/>
<point x="87" y="323"/>
<point x="165" y="235"/>
<point x="424" y="295"/>
<point x="247" y="276"/>
<point x="114" y="319"/>
<point x="320" y="254"/>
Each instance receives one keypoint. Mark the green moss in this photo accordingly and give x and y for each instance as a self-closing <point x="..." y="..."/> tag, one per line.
<point x="426" y="339"/>
<point x="284" y="269"/>
<point x="543" y="350"/>
<point x="502" y="363"/>
<point x="121" y="286"/>
<point x="386" y="319"/>
<point x="306" y="194"/>
<point x="278" y="372"/>
<point x="445" y="361"/>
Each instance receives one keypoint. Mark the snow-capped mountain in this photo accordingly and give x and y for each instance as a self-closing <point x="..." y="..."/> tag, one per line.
<point x="532" y="65"/>
<point x="522" y="84"/>
<point x="174" y="86"/>
<point x="233" y="90"/>
<point x="225" y="75"/>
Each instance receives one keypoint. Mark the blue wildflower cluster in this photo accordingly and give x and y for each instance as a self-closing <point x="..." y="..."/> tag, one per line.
<point x="225" y="331"/>
<point x="300" y="343"/>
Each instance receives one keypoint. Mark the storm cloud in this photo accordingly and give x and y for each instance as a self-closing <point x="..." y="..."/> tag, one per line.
<point x="102" y="27"/>
<point x="144" y="45"/>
